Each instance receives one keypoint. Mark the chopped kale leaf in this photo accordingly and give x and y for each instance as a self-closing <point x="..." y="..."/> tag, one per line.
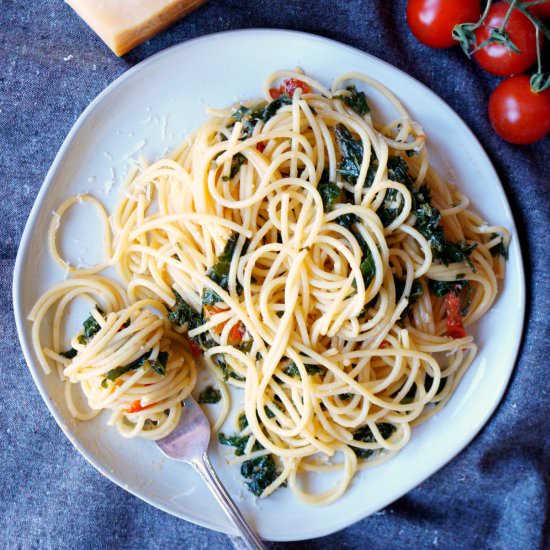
<point x="329" y="192"/>
<point x="259" y="472"/>
<point x="245" y="346"/>
<point x="441" y="288"/>
<point x="390" y="208"/>
<point x="91" y="326"/>
<point x="409" y="396"/>
<point x="356" y="100"/>
<point x="245" y="115"/>
<point x="210" y="395"/>
<point x="182" y="313"/>
<point x="428" y="223"/>
<point x="261" y="112"/>
<point x="210" y="296"/>
<point x="240" y="113"/>
<point x="292" y="370"/>
<point x="273" y="106"/>
<point x="373" y="167"/>
<point x="422" y="195"/>
<point x="398" y="170"/>
<point x="237" y="441"/>
<point x="500" y="248"/>
<point x="368" y="268"/>
<point x="69" y="354"/>
<point x="351" y="151"/>
<point x="204" y="340"/>
<point x="243" y="422"/>
<point x="158" y="365"/>
<point x="428" y="381"/>
<point x="347" y="221"/>
<point x="227" y="370"/>
<point x="365" y="435"/>
<point x="457" y="252"/>
<point x="219" y="272"/>
<point x="236" y="162"/>
<point x="416" y="293"/>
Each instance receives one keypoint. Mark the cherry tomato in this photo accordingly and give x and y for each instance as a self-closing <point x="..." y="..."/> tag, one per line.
<point x="289" y="86"/>
<point x="432" y="21"/>
<point x="541" y="10"/>
<point x="499" y="59"/>
<point x="517" y="114"/>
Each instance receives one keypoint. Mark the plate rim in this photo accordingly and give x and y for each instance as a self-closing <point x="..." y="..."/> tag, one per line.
<point x="26" y="239"/>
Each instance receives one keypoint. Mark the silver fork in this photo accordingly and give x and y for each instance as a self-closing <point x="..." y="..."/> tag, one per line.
<point x="189" y="443"/>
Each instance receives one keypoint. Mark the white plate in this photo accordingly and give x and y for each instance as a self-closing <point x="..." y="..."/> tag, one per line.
<point x="150" y="108"/>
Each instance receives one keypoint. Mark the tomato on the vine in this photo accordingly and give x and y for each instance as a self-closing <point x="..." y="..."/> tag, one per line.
<point x="432" y="21"/>
<point x="540" y="10"/>
<point x="517" y="114"/>
<point x="499" y="58"/>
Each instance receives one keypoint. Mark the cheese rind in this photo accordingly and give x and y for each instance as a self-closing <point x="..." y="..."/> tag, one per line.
<point x="124" y="24"/>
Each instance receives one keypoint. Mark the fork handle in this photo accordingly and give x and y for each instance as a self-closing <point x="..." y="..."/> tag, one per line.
<point x="206" y="471"/>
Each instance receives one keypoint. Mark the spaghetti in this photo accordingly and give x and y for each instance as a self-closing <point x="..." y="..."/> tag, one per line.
<point x="312" y="257"/>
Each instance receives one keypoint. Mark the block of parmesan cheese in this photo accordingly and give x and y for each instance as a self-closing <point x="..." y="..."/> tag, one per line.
<point x="124" y="24"/>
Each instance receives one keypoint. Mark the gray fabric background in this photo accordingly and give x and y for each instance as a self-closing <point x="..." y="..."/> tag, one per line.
<point x="493" y="495"/>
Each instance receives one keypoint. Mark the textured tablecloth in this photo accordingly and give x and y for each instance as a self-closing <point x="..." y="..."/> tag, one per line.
<point x="495" y="494"/>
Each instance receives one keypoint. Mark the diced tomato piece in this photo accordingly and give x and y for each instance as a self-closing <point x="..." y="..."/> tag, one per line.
<point x="455" y="328"/>
<point x="236" y="334"/>
<point x="290" y="85"/>
<point x="260" y="146"/>
<point x="124" y="325"/>
<point x="384" y="344"/>
<point x="237" y="331"/>
<point x="212" y="309"/>
<point x="194" y="348"/>
<point x="136" y="406"/>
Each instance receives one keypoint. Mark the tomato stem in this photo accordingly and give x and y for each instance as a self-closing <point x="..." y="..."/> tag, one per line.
<point x="500" y="36"/>
<point x="522" y="7"/>
<point x="507" y="16"/>
<point x="464" y="33"/>
<point x="539" y="81"/>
